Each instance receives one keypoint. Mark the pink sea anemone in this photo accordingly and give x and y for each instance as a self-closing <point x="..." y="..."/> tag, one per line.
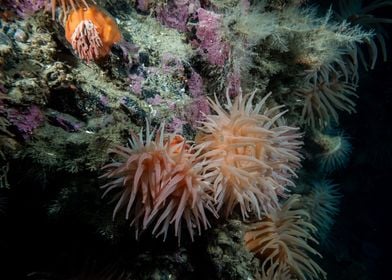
<point x="160" y="181"/>
<point x="251" y="153"/>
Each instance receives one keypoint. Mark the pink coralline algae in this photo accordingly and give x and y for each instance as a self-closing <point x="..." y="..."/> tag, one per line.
<point x="136" y="83"/>
<point x="176" y="13"/>
<point x="245" y="5"/>
<point x="143" y="5"/>
<point x="25" y="8"/>
<point x="210" y="39"/>
<point x="156" y="100"/>
<point x="197" y="111"/>
<point x="26" y="121"/>
<point x="234" y="82"/>
<point x="172" y="65"/>
<point x="175" y="125"/>
<point x="199" y="106"/>
<point x="195" y="84"/>
<point x="2" y="88"/>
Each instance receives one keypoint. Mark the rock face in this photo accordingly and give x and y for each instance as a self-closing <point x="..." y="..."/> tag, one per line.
<point x="173" y="62"/>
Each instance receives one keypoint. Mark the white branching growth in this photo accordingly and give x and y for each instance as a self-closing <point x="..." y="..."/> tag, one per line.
<point x="359" y="15"/>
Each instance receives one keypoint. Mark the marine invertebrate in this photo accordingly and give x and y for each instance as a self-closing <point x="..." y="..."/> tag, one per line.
<point x="91" y="32"/>
<point x="322" y="204"/>
<point x="327" y="51"/>
<point x="323" y="98"/>
<point x="281" y="242"/>
<point x="322" y="42"/>
<point x="282" y="274"/>
<point x="334" y="147"/>
<point x="355" y="12"/>
<point x="160" y="181"/>
<point x="252" y="156"/>
<point x="66" y="5"/>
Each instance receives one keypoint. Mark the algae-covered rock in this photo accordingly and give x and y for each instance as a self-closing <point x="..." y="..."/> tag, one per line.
<point x="228" y="255"/>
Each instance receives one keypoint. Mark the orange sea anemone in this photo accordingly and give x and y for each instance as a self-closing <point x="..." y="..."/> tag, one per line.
<point x="162" y="182"/>
<point x="91" y="32"/>
<point x="252" y="156"/>
<point x="280" y="241"/>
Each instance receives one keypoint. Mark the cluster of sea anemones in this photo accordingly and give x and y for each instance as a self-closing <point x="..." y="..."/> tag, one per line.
<point x="243" y="156"/>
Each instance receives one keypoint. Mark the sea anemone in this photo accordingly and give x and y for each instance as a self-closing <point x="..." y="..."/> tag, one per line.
<point x="280" y="240"/>
<point x="67" y="4"/>
<point x="91" y="32"/>
<point x="252" y="156"/>
<point x="358" y="14"/>
<point x="322" y="45"/>
<point x="335" y="150"/>
<point x="282" y="273"/>
<point x="323" y="99"/>
<point x="327" y="51"/>
<point x="322" y="205"/>
<point x="161" y="181"/>
<point x="95" y="269"/>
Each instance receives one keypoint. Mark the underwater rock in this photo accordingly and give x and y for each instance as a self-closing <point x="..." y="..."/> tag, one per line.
<point x="228" y="255"/>
<point x="62" y="109"/>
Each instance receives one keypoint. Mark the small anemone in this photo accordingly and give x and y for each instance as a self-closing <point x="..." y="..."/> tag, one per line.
<point x="335" y="150"/>
<point x="322" y="204"/>
<point x="361" y="13"/>
<point x="323" y="98"/>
